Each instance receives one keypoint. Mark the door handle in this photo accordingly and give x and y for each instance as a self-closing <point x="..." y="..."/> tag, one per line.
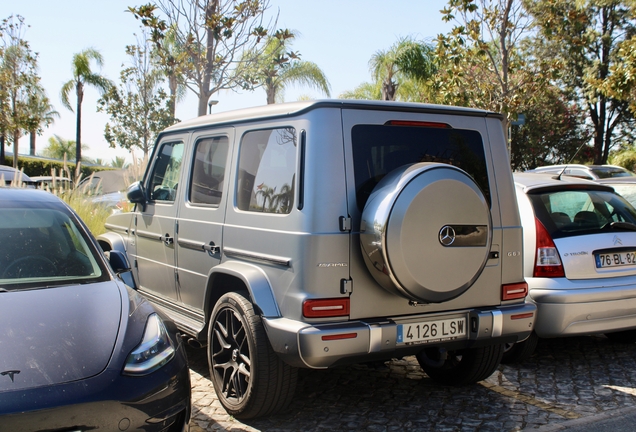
<point x="212" y="248"/>
<point x="167" y="239"/>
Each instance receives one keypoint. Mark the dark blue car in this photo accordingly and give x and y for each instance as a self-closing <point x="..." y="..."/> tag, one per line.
<point x="79" y="349"/>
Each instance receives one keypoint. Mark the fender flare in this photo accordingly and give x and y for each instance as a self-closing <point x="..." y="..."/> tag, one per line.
<point x="257" y="283"/>
<point x="114" y="240"/>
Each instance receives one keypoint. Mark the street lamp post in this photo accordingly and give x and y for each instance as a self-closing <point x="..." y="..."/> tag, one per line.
<point x="211" y="103"/>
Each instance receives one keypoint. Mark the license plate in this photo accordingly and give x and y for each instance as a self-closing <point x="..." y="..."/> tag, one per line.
<point x="615" y="259"/>
<point x="431" y="331"/>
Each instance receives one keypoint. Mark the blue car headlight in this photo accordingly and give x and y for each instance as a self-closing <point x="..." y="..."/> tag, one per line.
<point x="155" y="350"/>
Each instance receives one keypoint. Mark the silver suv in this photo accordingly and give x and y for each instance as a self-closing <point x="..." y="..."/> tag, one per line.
<point x="316" y="234"/>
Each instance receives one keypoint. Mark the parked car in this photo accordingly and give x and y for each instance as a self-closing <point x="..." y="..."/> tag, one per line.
<point x="53" y="182"/>
<point x="624" y="186"/>
<point x="316" y="234"/>
<point x="580" y="259"/>
<point x="79" y="350"/>
<point x="589" y="172"/>
<point x="10" y="176"/>
<point x="107" y="188"/>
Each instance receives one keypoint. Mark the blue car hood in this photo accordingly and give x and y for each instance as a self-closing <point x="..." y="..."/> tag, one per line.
<point x="55" y="335"/>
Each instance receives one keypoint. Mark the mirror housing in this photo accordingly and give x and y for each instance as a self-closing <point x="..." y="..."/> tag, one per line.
<point x="136" y="194"/>
<point x="120" y="264"/>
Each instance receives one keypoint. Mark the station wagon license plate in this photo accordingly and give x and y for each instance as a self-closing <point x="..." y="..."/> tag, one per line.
<point x="615" y="259"/>
<point x="431" y="331"/>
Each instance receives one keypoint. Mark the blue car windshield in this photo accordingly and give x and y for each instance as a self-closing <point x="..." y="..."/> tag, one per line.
<point x="44" y="246"/>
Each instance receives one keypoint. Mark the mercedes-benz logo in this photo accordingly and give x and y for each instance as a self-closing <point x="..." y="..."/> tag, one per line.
<point x="447" y="235"/>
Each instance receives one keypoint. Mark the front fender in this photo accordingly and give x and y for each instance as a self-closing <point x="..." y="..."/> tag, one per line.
<point x="112" y="241"/>
<point x="256" y="282"/>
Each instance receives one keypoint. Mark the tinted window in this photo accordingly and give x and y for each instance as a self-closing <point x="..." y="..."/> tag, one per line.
<point x="165" y="173"/>
<point x="44" y="247"/>
<point x="267" y="171"/>
<point x="573" y="212"/>
<point x="608" y="172"/>
<point x="379" y="149"/>
<point x="208" y="172"/>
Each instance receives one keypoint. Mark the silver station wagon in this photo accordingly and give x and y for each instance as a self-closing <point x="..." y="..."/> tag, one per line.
<point x="580" y="259"/>
<point x="316" y="234"/>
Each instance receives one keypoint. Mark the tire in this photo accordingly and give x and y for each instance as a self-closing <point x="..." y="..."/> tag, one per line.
<point x="250" y="380"/>
<point x="520" y="351"/>
<point x="461" y="367"/>
<point x="625" y="336"/>
<point x="418" y="219"/>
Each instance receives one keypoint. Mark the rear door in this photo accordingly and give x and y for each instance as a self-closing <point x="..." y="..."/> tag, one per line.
<point x="201" y="216"/>
<point x="155" y="225"/>
<point x="593" y="231"/>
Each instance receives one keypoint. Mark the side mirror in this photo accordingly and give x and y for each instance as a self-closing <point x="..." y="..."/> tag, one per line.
<point x="121" y="266"/>
<point x="136" y="194"/>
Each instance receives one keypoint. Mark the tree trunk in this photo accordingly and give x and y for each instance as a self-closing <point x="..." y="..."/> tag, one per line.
<point x="2" y="159"/>
<point x="16" y="138"/>
<point x="78" y="126"/>
<point x="32" y="135"/>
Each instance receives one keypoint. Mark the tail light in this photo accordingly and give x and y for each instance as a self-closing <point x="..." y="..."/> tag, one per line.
<point x="514" y="291"/>
<point x="547" y="260"/>
<point x="323" y="308"/>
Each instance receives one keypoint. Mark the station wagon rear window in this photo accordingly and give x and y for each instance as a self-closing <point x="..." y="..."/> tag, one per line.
<point x="566" y="213"/>
<point x="379" y="149"/>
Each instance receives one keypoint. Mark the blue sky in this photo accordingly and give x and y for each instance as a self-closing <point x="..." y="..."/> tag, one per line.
<point x="338" y="35"/>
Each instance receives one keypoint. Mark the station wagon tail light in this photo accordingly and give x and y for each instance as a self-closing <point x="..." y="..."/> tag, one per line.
<point x="418" y="124"/>
<point x="514" y="291"/>
<point x="547" y="260"/>
<point x="324" y="308"/>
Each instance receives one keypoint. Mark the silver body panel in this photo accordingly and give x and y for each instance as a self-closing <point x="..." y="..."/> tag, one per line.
<point x="314" y="251"/>
<point x="587" y="300"/>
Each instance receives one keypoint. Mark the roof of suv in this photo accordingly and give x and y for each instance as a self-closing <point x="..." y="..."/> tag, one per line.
<point x="293" y="108"/>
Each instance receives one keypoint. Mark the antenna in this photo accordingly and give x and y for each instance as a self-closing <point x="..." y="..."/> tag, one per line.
<point x="558" y="177"/>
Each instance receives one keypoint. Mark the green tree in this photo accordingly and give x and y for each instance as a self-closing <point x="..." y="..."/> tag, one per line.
<point x="406" y="60"/>
<point x="83" y="75"/>
<point x="59" y="148"/>
<point x="583" y="39"/>
<point x="212" y="35"/>
<point x="365" y="91"/>
<point x="138" y="107"/>
<point x="19" y="83"/>
<point x="41" y="115"/>
<point x="276" y="68"/>
<point x="119" y="162"/>
<point x="550" y="136"/>
<point x="482" y="61"/>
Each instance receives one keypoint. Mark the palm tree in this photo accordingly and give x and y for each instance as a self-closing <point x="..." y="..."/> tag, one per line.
<point x="59" y="148"/>
<point x="42" y="115"/>
<point x="276" y="69"/>
<point x="119" y="162"/>
<point x="405" y="60"/>
<point x="83" y="75"/>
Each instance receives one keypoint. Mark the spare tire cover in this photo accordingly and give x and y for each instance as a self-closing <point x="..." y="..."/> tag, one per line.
<point x="426" y="232"/>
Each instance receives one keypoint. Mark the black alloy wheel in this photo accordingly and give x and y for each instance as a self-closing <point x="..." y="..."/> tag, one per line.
<point x="249" y="378"/>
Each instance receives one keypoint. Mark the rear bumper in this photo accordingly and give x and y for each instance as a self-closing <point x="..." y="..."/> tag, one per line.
<point x="584" y="310"/>
<point x="317" y="346"/>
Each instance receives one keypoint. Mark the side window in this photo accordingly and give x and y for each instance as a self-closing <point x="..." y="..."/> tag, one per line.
<point x="165" y="174"/>
<point x="208" y="172"/>
<point x="267" y="171"/>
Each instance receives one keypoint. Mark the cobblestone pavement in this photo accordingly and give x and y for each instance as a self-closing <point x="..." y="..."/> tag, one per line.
<point x="569" y="378"/>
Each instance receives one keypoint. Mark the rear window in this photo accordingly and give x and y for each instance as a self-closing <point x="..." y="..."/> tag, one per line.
<point x="567" y="213"/>
<point x="379" y="149"/>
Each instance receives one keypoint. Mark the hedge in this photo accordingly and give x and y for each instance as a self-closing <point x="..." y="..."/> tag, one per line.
<point x="34" y="166"/>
